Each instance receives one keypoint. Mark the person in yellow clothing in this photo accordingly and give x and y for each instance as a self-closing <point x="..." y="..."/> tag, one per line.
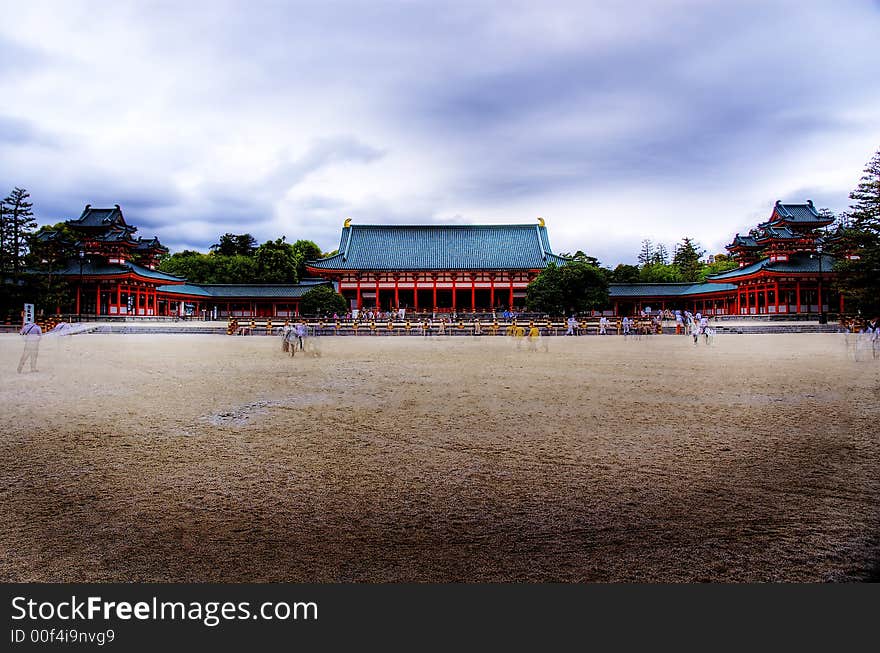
<point x="534" y="336"/>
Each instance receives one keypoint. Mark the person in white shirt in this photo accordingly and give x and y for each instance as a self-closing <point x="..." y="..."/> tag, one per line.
<point x="603" y="325"/>
<point x="572" y="323"/>
<point x="32" y="334"/>
<point x="626" y="323"/>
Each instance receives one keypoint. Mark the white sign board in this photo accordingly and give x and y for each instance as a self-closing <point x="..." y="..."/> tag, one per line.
<point x="28" y="313"/>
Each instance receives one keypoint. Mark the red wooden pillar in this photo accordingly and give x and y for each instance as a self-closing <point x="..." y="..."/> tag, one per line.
<point x="359" y="292"/>
<point x="776" y="294"/>
<point x="510" y="306"/>
<point x="97" y="300"/>
<point x="396" y="292"/>
<point x="819" y="293"/>
<point x="119" y="299"/>
<point x="841" y="303"/>
<point x="473" y="293"/>
<point x="434" y="277"/>
<point x="378" y="305"/>
<point x="766" y="298"/>
<point x="492" y="292"/>
<point x="416" y="293"/>
<point x="454" y="278"/>
<point x="797" y="286"/>
<point x="78" y="293"/>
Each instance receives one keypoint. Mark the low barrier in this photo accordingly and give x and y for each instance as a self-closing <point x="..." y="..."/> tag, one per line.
<point x="589" y="326"/>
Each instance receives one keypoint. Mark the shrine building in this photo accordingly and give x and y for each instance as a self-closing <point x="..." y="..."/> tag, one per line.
<point x="441" y="268"/>
<point x="115" y="275"/>
<point x="446" y="268"/>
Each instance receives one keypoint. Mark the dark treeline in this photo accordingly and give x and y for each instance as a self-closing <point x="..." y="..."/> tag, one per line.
<point x="236" y="258"/>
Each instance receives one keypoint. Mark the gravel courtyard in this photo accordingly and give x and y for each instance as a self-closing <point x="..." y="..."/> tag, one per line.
<point x="216" y="458"/>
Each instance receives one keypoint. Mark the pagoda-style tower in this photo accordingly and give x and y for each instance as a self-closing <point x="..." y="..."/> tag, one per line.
<point x="792" y="228"/>
<point x="103" y="233"/>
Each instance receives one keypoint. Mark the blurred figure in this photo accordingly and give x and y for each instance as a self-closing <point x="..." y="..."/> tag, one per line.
<point x="32" y="334"/>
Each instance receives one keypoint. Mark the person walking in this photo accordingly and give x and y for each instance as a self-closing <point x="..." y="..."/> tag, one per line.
<point x="572" y="323"/>
<point x="603" y="325"/>
<point x="32" y="334"/>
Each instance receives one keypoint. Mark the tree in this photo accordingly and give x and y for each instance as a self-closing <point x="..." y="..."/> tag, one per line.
<point x="659" y="273"/>
<point x="687" y="259"/>
<point x="235" y="245"/>
<point x="722" y="263"/>
<point x="322" y="300"/>
<point x="191" y="265"/>
<point x="573" y="288"/>
<point x="583" y="257"/>
<point x="646" y="254"/>
<point x="625" y="274"/>
<point x="857" y="245"/>
<point x="234" y="269"/>
<point x="544" y="293"/>
<point x="277" y="262"/>
<point x="306" y="250"/>
<point x="584" y="286"/>
<point x="661" y="255"/>
<point x="18" y="224"/>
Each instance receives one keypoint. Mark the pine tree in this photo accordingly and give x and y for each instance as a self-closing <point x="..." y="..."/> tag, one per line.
<point x="687" y="259"/>
<point x="864" y="213"/>
<point x="858" y="245"/>
<point x="661" y="256"/>
<point x="646" y="254"/>
<point x="3" y="255"/>
<point x="19" y="224"/>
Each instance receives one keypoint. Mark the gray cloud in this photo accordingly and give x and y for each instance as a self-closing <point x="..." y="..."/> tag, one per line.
<point x="282" y="119"/>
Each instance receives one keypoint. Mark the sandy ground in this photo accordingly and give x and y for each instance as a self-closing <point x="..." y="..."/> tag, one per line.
<point x="213" y="458"/>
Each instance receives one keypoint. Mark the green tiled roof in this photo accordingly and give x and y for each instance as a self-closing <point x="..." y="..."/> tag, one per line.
<point x="153" y="243"/>
<point x="800" y="214"/>
<point x="665" y="289"/>
<point x="184" y="289"/>
<point x="777" y="233"/>
<point x="797" y="212"/>
<point x="97" y="217"/>
<point x="89" y="268"/>
<point x="798" y="263"/>
<point x="441" y="247"/>
<point x="743" y="241"/>
<point x="245" y="290"/>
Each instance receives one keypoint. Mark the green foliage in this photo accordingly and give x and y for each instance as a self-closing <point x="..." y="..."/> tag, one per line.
<point x="193" y="266"/>
<point x="17" y="224"/>
<point x="322" y="300"/>
<point x="722" y="264"/>
<point x="277" y="262"/>
<point x="646" y="253"/>
<point x="50" y="247"/>
<point x="857" y="245"/>
<point x="573" y="288"/>
<point x="687" y="259"/>
<point x="306" y="250"/>
<point x="659" y="273"/>
<point x="625" y="274"/>
<point x="234" y="269"/>
<point x="545" y="294"/>
<point x="235" y="245"/>
<point x="582" y="257"/>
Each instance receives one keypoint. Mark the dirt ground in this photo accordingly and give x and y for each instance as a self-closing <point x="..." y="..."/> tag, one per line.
<point x="216" y="458"/>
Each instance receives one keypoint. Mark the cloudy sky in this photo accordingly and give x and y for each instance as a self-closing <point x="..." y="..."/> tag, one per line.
<point x="615" y="121"/>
